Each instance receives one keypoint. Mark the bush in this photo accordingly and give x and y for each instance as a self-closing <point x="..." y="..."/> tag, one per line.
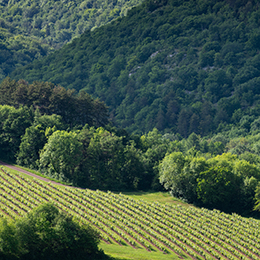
<point x="47" y="233"/>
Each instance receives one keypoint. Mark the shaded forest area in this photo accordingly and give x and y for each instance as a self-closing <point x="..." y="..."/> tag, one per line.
<point x="75" y="108"/>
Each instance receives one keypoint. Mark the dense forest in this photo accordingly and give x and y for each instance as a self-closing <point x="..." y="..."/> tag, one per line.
<point x="57" y="22"/>
<point x="49" y="99"/>
<point x="30" y="30"/>
<point x="17" y="50"/>
<point x="179" y="66"/>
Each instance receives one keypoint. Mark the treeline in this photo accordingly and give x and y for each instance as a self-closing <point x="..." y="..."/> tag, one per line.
<point x="222" y="171"/>
<point x="225" y="182"/>
<point x="103" y="158"/>
<point x="74" y="108"/>
<point x="46" y="233"/>
<point x="179" y="66"/>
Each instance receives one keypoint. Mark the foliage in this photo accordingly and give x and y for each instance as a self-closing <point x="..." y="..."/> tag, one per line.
<point x="174" y="176"/>
<point x="48" y="233"/>
<point x="213" y="183"/>
<point x="30" y="31"/>
<point x="75" y="109"/>
<point x="35" y="138"/>
<point x="103" y="160"/>
<point x="62" y="155"/>
<point x="23" y="105"/>
<point x="9" y="244"/>
<point x="57" y="22"/>
<point x="16" y="49"/>
<point x="179" y="66"/>
<point x="257" y="196"/>
<point x="13" y="124"/>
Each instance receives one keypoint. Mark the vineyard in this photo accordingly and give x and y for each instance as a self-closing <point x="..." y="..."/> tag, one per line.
<point x="187" y="232"/>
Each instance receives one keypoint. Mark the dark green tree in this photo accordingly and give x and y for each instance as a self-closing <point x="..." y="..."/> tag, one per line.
<point x="105" y="158"/>
<point x="9" y="243"/>
<point x="218" y="187"/>
<point x="48" y="233"/>
<point x="12" y="127"/>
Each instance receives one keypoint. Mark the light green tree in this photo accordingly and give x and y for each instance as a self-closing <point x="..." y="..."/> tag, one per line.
<point x="178" y="173"/>
<point x="62" y="155"/>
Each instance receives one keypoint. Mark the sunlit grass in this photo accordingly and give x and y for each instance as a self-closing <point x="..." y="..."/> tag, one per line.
<point x="128" y="253"/>
<point x="160" y="197"/>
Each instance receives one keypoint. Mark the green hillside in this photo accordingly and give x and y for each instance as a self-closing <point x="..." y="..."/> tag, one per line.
<point x="30" y="30"/>
<point x="181" y="66"/>
<point x="169" y="229"/>
<point x="18" y="50"/>
<point x="57" y="22"/>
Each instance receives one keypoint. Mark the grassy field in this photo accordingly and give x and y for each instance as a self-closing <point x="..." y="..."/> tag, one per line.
<point x="160" y="197"/>
<point x="126" y="253"/>
<point x="138" y="225"/>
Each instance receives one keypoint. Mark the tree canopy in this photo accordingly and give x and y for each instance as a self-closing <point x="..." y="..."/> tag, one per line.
<point x="30" y="31"/>
<point x="74" y="108"/>
<point x="224" y="182"/>
<point x="47" y="233"/>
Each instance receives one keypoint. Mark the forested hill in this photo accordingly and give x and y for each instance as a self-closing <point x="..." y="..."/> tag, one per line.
<point x="182" y="66"/>
<point x="56" y="22"/>
<point x="32" y="29"/>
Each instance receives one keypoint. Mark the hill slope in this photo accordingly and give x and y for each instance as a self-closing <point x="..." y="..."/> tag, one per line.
<point x="57" y="22"/>
<point x="183" y="66"/>
<point x="18" y="50"/>
<point x="30" y="30"/>
<point x="177" y="230"/>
